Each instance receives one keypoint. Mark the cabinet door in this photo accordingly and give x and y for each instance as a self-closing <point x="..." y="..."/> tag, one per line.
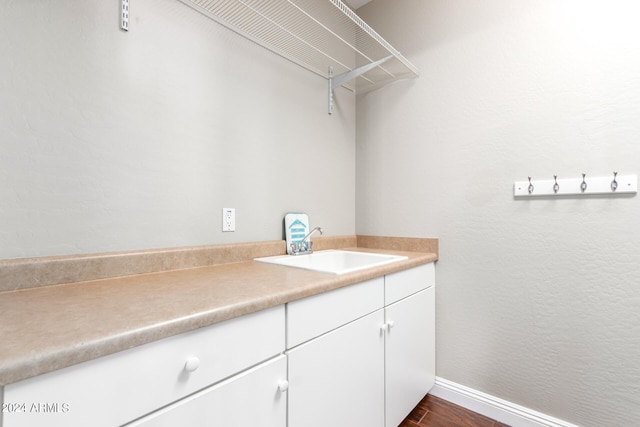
<point x="249" y="398"/>
<point x="409" y="354"/>
<point x="337" y="379"/>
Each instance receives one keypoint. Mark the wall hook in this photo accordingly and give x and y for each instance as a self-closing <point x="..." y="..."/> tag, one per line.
<point x="583" y="185"/>
<point x="557" y="186"/>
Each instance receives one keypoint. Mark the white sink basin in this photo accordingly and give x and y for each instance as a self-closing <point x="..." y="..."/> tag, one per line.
<point x="333" y="261"/>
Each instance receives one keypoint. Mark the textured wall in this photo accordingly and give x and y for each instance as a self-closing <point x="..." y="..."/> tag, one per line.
<point x="114" y="141"/>
<point x="538" y="301"/>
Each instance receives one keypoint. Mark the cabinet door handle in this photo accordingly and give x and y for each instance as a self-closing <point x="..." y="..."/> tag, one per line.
<point x="383" y="328"/>
<point x="391" y="324"/>
<point x="283" y="386"/>
<point x="192" y="364"/>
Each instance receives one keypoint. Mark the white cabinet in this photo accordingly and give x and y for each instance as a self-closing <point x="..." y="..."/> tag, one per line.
<point x="337" y="379"/>
<point x="336" y="376"/>
<point x="410" y="340"/>
<point x="364" y="354"/>
<point x="116" y="389"/>
<point x="407" y="282"/>
<point x="361" y="355"/>
<point x="313" y="316"/>
<point x="409" y="354"/>
<point x="254" y="397"/>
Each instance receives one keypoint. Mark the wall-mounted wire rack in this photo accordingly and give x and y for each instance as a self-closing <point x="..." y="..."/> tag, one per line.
<point x="581" y="186"/>
<point x="324" y="36"/>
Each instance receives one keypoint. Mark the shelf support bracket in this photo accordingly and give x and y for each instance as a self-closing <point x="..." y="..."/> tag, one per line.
<point x="350" y="75"/>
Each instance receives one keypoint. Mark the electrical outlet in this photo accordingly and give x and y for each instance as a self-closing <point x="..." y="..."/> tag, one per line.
<point x="228" y="219"/>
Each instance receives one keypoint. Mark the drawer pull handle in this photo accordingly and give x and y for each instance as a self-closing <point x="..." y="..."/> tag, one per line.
<point x="283" y="386"/>
<point x="192" y="364"/>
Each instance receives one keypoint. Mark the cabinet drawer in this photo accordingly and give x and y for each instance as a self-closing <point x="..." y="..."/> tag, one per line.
<point x="253" y="397"/>
<point x="407" y="282"/>
<point x="118" y="388"/>
<point x="313" y="316"/>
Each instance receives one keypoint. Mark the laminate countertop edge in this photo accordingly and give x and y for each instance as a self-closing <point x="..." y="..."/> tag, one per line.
<point x="49" y="328"/>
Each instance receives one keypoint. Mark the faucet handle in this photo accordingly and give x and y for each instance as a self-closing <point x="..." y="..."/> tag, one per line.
<point x="301" y="247"/>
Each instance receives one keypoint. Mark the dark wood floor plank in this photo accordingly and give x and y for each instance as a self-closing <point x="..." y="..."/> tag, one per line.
<point x="433" y="411"/>
<point x="408" y="423"/>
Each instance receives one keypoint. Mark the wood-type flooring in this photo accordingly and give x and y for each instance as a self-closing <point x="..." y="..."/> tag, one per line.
<point x="435" y="412"/>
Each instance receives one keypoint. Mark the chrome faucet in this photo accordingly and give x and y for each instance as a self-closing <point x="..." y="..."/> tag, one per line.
<point x="304" y="246"/>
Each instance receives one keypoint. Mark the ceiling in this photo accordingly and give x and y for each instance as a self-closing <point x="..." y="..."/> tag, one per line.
<point x="354" y="4"/>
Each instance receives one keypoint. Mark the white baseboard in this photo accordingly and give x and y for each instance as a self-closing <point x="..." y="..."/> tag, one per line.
<point x="493" y="407"/>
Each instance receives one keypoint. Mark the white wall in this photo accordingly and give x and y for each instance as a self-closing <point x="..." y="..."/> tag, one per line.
<point x="115" y="141"/>
<point x="538" y="301"/>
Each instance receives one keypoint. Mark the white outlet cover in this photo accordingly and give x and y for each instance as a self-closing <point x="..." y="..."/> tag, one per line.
<point x="228" y="219"/>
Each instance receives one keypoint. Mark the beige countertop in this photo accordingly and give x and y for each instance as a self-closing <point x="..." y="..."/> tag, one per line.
<point x="51" y="327"/>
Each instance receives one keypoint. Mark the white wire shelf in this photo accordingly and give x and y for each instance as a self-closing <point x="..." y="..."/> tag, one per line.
<point x="324" y="36"/>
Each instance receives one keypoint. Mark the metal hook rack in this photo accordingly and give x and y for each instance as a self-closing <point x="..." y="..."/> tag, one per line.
<point x="583" y="185"/>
